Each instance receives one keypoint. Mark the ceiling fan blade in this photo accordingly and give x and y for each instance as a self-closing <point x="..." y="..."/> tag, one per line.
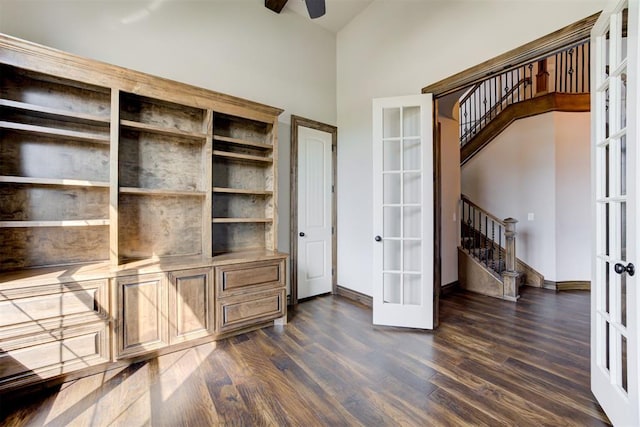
<point x="316" y="8"/>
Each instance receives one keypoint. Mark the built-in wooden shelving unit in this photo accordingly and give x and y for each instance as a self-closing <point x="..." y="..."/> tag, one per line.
<point x="137" y="214"/>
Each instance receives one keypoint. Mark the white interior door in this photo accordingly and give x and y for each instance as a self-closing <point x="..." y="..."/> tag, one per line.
<point x="314" y="212"/>
<point x="614" y="296"/>
<point x="403" y="211"/>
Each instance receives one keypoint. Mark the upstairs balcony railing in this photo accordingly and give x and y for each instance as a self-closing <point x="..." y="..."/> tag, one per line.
<point x="566" y="71"/>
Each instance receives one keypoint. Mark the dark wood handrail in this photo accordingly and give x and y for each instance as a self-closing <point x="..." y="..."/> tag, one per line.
<point x="469" y="202"/>
<point x="496" y="105"/>
<point x="468" y="95"/>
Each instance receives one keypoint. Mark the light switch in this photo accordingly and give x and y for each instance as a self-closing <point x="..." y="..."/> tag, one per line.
<point x="530" y="216"/>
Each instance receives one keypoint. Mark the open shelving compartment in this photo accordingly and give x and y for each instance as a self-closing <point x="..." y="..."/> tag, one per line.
<point x="163" y="195"/>
<point x="244" y="194"/>
<point x="54" y="170"/>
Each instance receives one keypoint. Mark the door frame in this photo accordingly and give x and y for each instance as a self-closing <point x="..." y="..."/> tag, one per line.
<point x="293" y="235"/>
<point x="539" y="48"/>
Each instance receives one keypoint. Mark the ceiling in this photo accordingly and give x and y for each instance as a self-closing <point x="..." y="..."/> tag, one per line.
<point x="339" y="12"/>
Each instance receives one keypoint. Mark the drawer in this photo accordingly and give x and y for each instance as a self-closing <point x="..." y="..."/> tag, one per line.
<point x="246" y="310"/>
<point x="48" y="307"/>
<point x="233" y="279"/>
<point x="46" y="355"/>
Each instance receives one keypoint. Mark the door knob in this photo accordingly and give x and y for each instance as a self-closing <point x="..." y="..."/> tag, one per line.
<point x="301" y="234"/>
<point x="629" y="269"/>
<point x="378" y="238"/>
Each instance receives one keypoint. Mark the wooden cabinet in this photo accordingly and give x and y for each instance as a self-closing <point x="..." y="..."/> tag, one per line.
<point x="250" y="293"/>
<point x="141" y="323"/>
<point x="164" y="158"/>
<point x="138" y="214"/>
<point x="49" y="354"/>
<point x="53" y="329"/>
<point x="244" y="184"/>
<point x="54" y="170"/>
<point x="191" y="305"/>
<point x="32" y="309"/>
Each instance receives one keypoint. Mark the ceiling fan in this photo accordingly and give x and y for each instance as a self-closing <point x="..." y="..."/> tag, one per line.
<point x="316" y="8"/>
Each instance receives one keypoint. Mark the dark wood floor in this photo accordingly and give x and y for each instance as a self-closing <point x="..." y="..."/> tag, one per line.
<point x="490" y="363"/>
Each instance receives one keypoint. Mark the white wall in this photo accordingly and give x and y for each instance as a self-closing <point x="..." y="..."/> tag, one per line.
<point x="514" y="176"/>
<point x="541" y="166"/>
<point x="396" y="48"/>
<point x="573" y="196"/>
<point x="449" y="196"/>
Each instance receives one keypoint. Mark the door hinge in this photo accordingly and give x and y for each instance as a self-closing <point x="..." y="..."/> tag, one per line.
<point x="333" y="188"/>
<point x="333" y="230"/>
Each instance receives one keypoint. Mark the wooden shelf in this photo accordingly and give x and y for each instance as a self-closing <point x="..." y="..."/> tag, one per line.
<point x="241" y="157"/>
<point x="144" y="127"/>
<point x="63" y="223"/>
<point x="160" y="192"/>
<point x="48" y="131"/>
<point x="53" y="181"/>
<point x="54" y="111"/>
<point x="243" y="142"/>
<point x="242" y="191"/>
<point x="233" y="220"/>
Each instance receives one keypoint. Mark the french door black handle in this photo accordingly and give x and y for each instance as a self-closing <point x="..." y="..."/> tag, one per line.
<point x="630" y="269"/>
<point x="302" y="234"/>
<point x="377" y="238"/>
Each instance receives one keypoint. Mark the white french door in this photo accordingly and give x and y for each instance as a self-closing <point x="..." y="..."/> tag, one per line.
<point x="403" y="211"/>
<point x="614" y="135"/>
<point x="314" y="212"/>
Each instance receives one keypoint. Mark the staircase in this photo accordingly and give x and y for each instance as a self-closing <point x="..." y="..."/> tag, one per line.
<point x="487" y="261"/>
<point x="557" y="82"/>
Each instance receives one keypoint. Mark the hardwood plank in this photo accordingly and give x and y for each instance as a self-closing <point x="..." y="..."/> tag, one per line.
<point x="329" y="366"/>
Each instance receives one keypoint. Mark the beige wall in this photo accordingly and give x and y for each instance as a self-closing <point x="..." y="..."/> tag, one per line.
<point x="573" y="196"/>
<point x="450" y="195"/>
<point x="396" y="48"/>
<point x="541" y="166"/>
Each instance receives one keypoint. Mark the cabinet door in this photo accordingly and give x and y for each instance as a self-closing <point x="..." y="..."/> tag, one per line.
<point x="142" y="308"/>
<point x="191" y="305"/>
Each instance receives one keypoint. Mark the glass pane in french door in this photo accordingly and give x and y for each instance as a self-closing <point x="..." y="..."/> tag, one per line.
<point x="611" y="199"/>
<point x="402" y="206"/>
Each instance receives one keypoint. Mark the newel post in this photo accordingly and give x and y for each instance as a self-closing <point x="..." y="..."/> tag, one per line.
<point x="510" y="275"/>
